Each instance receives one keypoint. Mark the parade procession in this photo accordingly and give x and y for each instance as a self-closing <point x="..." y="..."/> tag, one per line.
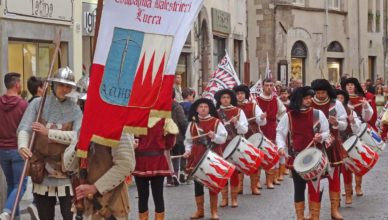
<point x="220" y="132"/>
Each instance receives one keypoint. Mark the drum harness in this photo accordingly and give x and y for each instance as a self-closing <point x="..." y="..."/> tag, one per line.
<point x="231" y="131"/>
<point x="202" y="139"/>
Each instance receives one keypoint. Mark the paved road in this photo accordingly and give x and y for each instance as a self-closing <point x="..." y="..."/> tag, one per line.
<point x="278" y="203"/>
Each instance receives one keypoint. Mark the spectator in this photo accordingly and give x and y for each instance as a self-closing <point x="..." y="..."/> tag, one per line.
<point x="188" y="95"/>
<point x="178" y="87"/>
<point x="380" y="98"/>
<point x="12" y="108"/>
<point x="370" y="97"/>
<point x="35" y="87"/>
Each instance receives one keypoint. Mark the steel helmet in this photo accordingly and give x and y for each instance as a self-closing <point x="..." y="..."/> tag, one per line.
<point x="82" y="86"/>
<point x="63" y="75"/>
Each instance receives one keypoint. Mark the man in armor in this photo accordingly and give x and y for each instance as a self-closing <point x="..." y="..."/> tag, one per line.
<point x="55" y="130"/>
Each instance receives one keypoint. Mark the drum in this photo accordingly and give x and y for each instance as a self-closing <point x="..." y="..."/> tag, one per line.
<point x="243" y="155"/>
<point x="361" y="157"/>
<point x="371" y="138"/>
<point x="271" y="156"/>
<point x="212" y="171"/>
<point x="310" y="163"/>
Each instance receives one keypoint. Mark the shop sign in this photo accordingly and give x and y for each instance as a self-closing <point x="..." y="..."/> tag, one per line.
<point x="221" y="21"/>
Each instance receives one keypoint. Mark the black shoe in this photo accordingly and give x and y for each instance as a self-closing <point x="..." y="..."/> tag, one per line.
<point x="175" y="180"/>
<point x="182" y="178"/>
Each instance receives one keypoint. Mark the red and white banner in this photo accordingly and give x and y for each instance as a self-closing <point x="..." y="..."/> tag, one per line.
<point x="225" y="77"/>
<point x="138" y="48"/>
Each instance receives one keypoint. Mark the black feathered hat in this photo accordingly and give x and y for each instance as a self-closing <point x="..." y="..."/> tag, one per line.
<point x="345" y="94"/>
<point x="357" y="85"/>
<point x="243" y="88"/>
<point x="298" y="95"/>
<point x="193" y="115"/>
<point x="323" y="84"/>
<point x="231" y="93"/>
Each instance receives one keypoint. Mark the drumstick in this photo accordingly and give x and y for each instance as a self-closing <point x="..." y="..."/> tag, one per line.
<point x="198" y="136"/>
<point x="177" y="156"/>
<point x="310" y="144"/>
<point x="253" y="118"/>
<point x="228" y="122"/>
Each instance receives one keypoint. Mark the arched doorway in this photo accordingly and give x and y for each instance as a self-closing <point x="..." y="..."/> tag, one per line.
<point x="334" y="65"/>
<point x="298" y="60"/>
<point x="205" y="58"/>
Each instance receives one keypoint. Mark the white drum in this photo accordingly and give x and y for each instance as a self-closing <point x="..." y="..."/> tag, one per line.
<point x="213" y="171"/>
<point x="271" y="156"/>
<point x="371" y="138"/>
<point x="310" y="163"/>
<point x="243" y="155"/>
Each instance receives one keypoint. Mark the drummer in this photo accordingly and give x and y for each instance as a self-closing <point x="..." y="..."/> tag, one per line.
<point x="256" y="118"/>
<point x="325" y="100"/>
<point x="203" y="121"/>
<point x="301" y="132"/>
<point x="353" y="128"/>
<point x="235" y="123"/>
<point x="361" y="106"/>
<point x="274" y="110"/>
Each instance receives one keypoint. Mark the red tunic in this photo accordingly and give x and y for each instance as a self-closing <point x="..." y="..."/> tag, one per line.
<point x="269" y="106"/>
<point x="150" y="154"/>
<point x="229" y="112"/>
<point x="249" y="110"/>
<point x="198" y="149"/>
<point x="301" y="134"/>
<point x="356" y="100"/>
<point x="372" y="101"/>
<point x="335" y="151"/>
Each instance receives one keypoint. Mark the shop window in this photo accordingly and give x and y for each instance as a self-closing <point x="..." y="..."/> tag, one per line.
<point x="182" y="68"/>
<point x="334" y="4"/>
<point x="33" y="59"/>
<point x="219" y="47"/>
<point x="298" y="57"/>
<point x="334" y="70"/>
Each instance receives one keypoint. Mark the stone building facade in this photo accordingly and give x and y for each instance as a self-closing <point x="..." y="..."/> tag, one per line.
<point x="308" y="39"/>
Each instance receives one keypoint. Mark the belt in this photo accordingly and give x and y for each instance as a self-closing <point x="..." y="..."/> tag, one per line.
<point x="149" y="153"/>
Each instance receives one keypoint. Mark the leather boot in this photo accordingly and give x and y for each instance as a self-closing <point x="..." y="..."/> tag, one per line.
<point x="234" y="193"/>
<point x="335" y="201"/>
<point x="299" y="209"/>
<point x="286" y="171"/>
<point x="200" y="213"/>
<point x="224" y="195"/>
<point x="309" y="214"/>
<point x="143" y="216"/>
<point x="213" y="207"/>
<point x="258" y="182"/>
<point x="358" y="186"/>
<point x="269" y="179"/>
<point x="159" y="216"/>
<point x="276" y="176"/>
<point x="254" y="180"/>
<point x="281" y="172"/>
<point x="348" y="194"/>
<point x="241" y="185"/>
<point x="315" y="210"/>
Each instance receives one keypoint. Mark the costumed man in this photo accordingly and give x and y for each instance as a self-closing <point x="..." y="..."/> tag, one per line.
<point x="361" y="106"/>
<point x="153" y="163"/>
<point x="325" y="100"/>
<point x="107" y="169"/>
<point x="236" y="123"/>
<point x="256" y="118"/>
<point x="353" y="128"/>
<point x="274" y="110"/>
<point x="304" y="126"/>
<point x="204" y="132"/>
<point x="56" y="129"/>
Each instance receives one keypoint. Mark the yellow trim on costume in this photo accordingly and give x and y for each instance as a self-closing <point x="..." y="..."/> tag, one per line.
<point x="135" y="130"/>
<point x="105" y="141"/>
<point x="160" y="114"/>
<point x="82" y="153"/>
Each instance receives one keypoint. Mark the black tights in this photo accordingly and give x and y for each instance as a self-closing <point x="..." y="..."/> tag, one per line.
<point x="299" y="187"/>
<point x="198" y="189"/>
<point x="142" y="184"/>
<point x="46" y="206"/>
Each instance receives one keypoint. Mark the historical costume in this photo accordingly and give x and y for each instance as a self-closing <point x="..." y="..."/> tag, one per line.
<point x="254" y="116"/>
<point x="300" y="125"/>
<point x="236" y="123"/>
<point x="353" y="128"/>
<point x="361" y="106"/>
<point x="325" y="100"/>
<point x="274" y="109"/>
<point x="56" y="129"/>
<point x="205" y="132"/>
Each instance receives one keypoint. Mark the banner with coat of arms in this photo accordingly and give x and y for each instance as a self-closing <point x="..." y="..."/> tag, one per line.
<point x="137" y="51"/>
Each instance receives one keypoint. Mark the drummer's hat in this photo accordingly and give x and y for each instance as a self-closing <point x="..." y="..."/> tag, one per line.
<point x="357" y="85"/>
<point x="243" y="88"/>
<point x="231" y="93"/>
<point x="323" y="84"/>
<point x="193" y="115"/>
<point x="298" y="95"/>
<point x="345" y="94"/>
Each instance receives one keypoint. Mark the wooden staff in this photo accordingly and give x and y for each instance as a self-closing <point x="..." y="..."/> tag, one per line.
<point x="57" y="42"/>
